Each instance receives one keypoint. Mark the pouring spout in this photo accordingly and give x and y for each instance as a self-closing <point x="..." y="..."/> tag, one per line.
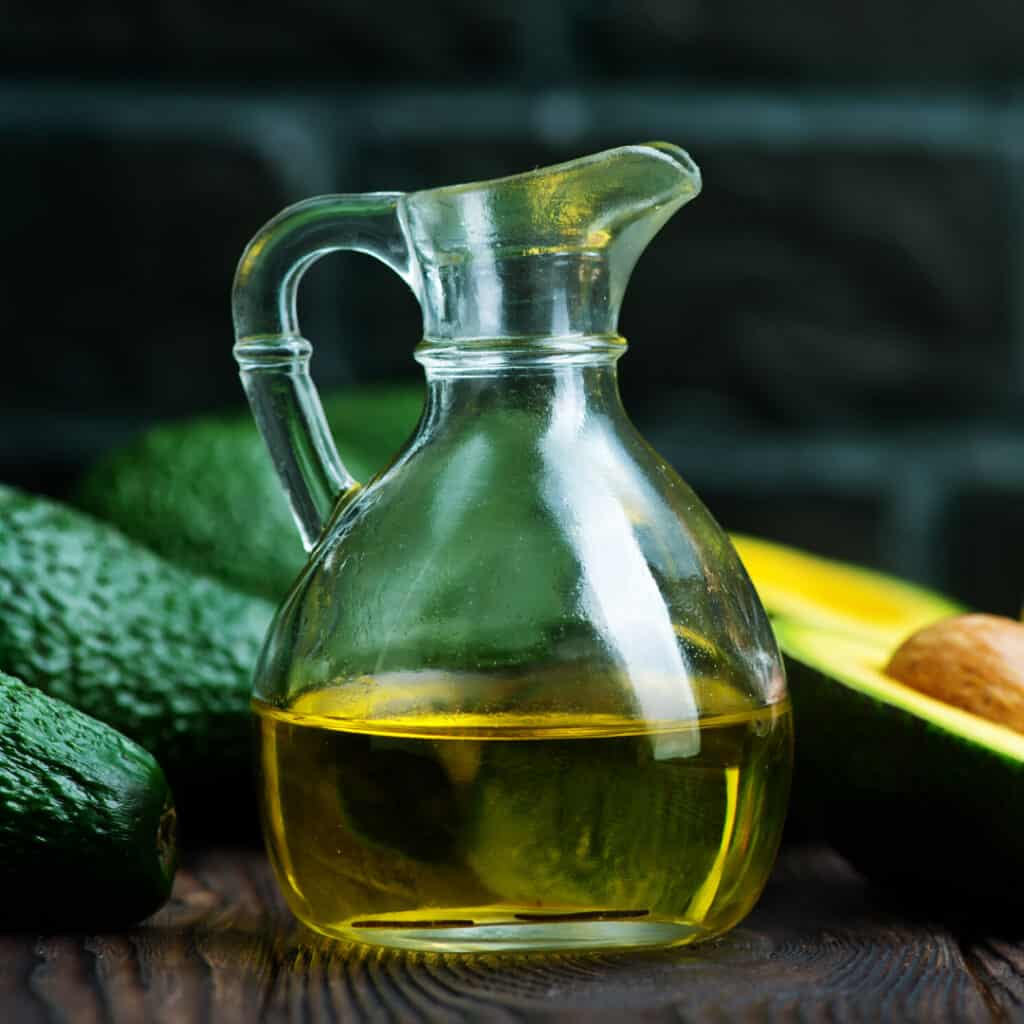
<point x="664" y="178"/>
<point x="492" y="254"/>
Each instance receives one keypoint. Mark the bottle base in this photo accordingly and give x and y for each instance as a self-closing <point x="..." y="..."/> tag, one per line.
<point x="524" y="931"/>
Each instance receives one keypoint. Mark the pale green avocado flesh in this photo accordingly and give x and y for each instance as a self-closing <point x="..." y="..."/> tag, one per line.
<point x="857" y="664"/>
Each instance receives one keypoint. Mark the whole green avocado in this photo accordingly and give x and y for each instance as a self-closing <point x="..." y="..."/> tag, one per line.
<point x="87" y="821"/>
<point x="159" y="653"/>
<point x="204" y="493"/>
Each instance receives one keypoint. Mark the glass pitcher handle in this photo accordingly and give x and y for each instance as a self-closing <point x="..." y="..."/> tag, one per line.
<point x="273" y="355"/>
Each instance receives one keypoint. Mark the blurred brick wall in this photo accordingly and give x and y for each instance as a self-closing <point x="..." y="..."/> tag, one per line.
<point x="829" y="343"/>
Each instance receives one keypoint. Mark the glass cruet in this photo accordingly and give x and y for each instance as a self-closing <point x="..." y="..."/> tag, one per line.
<point x="523" y="694"/>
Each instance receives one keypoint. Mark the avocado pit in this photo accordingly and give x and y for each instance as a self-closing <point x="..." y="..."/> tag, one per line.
<point x="973" y="662"/>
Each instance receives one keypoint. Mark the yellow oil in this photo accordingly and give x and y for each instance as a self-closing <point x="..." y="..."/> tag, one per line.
<point x="548" y="831"/>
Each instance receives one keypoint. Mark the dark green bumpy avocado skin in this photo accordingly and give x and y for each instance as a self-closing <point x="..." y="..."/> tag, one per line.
<point x="204" y="493"/>
<point x="86" y="819"/>
<point x="162" y="655"/>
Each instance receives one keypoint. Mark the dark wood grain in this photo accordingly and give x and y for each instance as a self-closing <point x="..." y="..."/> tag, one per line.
<point x="821" y="946"/>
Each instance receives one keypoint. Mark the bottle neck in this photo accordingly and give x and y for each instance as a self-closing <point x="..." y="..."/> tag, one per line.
<point x="499" y="357"/>
<point x="518" y="296"/>
<point x="550" y="380"/>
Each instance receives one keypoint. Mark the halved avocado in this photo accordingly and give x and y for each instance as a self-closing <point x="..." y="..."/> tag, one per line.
<point x="836" y="596"/>
<point x="917" y="794"/>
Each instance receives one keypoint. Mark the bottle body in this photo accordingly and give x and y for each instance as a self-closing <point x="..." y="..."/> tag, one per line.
<point x="523" y="695"/>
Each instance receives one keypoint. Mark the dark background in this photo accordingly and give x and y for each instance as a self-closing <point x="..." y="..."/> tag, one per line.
<point x="829" y="343"/>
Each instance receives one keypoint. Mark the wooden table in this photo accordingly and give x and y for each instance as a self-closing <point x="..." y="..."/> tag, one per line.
<point x="821" y="946"/>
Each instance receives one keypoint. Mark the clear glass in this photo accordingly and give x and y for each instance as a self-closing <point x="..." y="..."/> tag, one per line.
<point x="523" y="695"/>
